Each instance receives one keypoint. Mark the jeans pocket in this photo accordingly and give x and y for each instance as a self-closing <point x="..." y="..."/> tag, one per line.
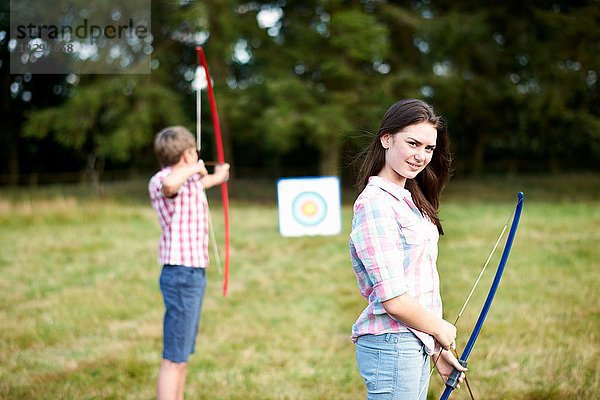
<point x="378" y="369"/>
<point x="166" y="278"/>
<point x="368" y="365"/>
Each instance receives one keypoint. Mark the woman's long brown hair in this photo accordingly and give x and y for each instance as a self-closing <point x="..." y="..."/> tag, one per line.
<point x="428" y="185"/>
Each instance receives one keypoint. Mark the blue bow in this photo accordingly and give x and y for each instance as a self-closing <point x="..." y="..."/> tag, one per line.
<point x="453" y="379"/>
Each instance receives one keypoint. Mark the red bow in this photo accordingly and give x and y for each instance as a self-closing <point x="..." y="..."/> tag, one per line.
<point x="220" y="160"/>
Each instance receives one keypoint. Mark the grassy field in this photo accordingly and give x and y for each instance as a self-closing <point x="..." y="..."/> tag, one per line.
<point x="81" y="312"/>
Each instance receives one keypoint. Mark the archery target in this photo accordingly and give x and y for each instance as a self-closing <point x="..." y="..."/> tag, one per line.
<point x="309" y="206"/>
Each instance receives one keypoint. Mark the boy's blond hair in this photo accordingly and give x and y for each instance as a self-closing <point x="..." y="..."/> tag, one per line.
<point x="171" y="142"/>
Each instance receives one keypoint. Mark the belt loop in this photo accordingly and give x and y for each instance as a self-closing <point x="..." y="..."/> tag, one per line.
<point x="391" y="337"/>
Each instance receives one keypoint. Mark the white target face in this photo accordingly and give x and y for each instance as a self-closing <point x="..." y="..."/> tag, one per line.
<point x="309" y="206"/>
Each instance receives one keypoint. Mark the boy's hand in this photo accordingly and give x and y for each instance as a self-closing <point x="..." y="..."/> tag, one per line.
<point x="222" y="172"/>
<point x="220" y="175"/>
<point x="201" y="168"/>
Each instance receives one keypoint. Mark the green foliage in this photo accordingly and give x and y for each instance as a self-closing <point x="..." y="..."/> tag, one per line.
<point x="317" y="97"/>
<point x="517" y="82"/>
<point x="108" y="118"/>
<point x="359" y="36"/>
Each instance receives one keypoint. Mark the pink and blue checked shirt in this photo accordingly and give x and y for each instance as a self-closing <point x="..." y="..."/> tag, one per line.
<point x="184" y="222"/>
<point x="394" y="251"/>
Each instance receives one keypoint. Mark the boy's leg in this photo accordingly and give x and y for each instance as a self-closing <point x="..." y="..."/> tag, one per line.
<point x="181" y="389"/>
<point x="171" y="380"/>
<point x="183" y="292"/>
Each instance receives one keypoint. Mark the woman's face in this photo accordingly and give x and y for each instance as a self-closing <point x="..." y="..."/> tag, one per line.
<point x="408" y="152"/>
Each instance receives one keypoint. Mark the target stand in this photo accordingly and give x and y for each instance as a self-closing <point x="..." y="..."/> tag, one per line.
<point x="309" y="206"/>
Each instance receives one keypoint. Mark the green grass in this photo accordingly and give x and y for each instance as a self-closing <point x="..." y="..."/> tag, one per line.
<point x="81" y="312"/>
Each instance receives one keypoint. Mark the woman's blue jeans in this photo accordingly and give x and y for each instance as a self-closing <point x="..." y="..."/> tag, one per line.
<point x="394" y="366"/>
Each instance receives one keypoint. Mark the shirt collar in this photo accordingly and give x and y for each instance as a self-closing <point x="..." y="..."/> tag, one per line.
<point x="395" y="190"/>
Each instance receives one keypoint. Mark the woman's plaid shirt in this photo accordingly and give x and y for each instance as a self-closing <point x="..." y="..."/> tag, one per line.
<point x="394" y="251"/>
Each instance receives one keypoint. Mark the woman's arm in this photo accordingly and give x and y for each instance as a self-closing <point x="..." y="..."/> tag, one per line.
<point x="407" y="310"/>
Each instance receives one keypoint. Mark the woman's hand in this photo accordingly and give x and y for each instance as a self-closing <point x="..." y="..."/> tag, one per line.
<point x="446" y="363"/>
<point x="446" y="334"/>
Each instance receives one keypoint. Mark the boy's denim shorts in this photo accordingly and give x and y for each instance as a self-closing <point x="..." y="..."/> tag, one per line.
<point x="183" y="292"/>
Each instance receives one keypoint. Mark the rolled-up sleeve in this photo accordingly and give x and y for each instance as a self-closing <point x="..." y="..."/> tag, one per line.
<point x="377" y="243"/>
<point x="155" y="185"/>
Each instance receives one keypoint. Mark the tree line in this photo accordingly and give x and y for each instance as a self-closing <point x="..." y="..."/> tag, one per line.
<point x="301" y="85"/>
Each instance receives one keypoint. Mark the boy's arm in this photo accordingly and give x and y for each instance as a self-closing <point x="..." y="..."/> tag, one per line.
<point x="221" y="175"/>
<point x="172" y="182"/>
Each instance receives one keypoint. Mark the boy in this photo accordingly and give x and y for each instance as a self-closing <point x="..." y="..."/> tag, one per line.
<point x="178" y="197"/>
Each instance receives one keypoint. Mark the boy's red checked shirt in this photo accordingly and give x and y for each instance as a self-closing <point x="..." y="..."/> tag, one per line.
<point x="184" y="222"/>
<point x="394" y="251"/>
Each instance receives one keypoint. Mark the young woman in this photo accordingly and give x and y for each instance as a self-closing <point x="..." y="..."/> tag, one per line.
<point x="393" y="246"/>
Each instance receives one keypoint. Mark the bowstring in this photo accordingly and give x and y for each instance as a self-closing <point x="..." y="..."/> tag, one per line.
<point x="469" y="298"/>
<point x="512" y="214"/>
<point x="213" y="239"/>
<point x="198" y="112"/>
<point x="211" y="228"/>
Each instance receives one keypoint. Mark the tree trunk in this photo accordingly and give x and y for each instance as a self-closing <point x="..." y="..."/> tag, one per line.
<point x="478" y="156"/>
<point x="93" y="170"/>
<point x="330" y="158"/>
<point x="10" y="136"/>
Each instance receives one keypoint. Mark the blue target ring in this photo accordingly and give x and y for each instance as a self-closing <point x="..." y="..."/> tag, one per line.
<point x="309" y="208"/>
